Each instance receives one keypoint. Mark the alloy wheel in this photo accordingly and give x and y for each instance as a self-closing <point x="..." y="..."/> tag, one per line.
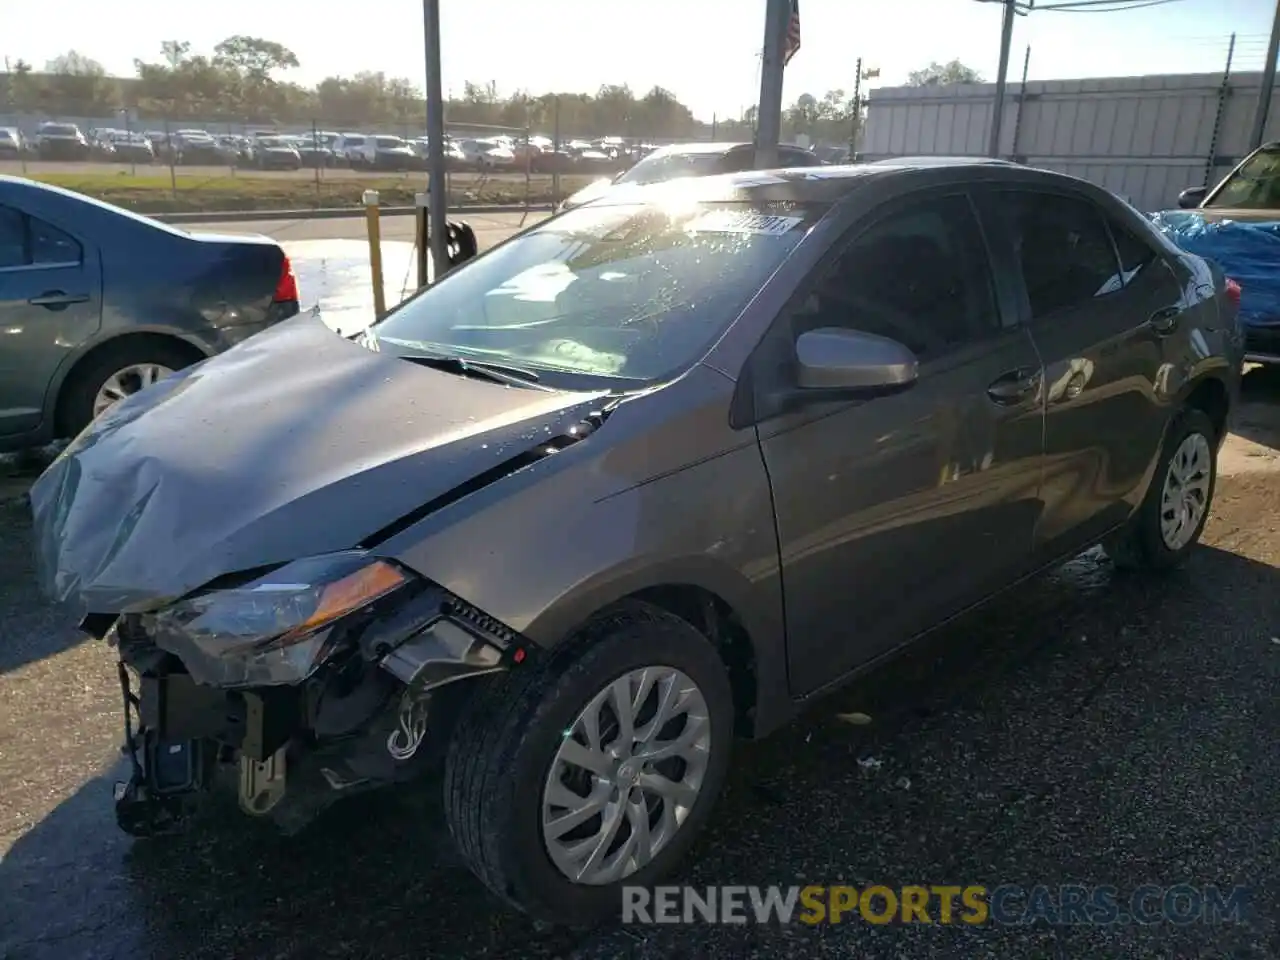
<point x="626" y="775"/>
<point x="1185" y="496"/>
<point x="126" y="382"/>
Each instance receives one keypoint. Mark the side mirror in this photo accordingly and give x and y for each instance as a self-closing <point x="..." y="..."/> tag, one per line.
<point x="1192" y="197"/>
<point x="833" y="358"/>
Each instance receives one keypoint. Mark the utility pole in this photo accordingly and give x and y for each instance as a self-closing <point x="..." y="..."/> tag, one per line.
<point x="857" y="110"/>
<point x="1002" y="75"/>
<point x="769" y="112"/>
<point x="1268" y="84"/>
<point x="437" y="184"/>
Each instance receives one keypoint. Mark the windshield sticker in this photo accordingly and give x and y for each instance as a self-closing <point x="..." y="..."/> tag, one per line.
<point x="758" y="224"/>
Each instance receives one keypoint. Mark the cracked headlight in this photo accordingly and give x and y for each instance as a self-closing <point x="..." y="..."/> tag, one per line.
<point x="273" y="630"/>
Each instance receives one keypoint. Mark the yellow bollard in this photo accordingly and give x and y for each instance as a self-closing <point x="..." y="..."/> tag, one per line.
<point x="423" y="246"/>
<point x="371" y="214"/>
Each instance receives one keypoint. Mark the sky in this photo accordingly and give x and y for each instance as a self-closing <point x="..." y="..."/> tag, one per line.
<point x="705" y="51"/>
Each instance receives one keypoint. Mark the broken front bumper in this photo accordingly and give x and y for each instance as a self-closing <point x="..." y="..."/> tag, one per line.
<point x="379" y="714"/>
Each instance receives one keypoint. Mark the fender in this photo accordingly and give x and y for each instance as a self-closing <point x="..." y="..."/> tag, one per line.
<point x="106" y="336"/>
<point x="756" y="606"/>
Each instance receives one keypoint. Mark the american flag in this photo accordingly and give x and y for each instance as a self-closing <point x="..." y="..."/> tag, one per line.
<point x="792" y="45"/>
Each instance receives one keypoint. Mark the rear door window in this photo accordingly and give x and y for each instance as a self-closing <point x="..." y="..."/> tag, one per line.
<point x="49" y="245"/>
<point x="13" y="238"/>
<point x="1063" y="248"/>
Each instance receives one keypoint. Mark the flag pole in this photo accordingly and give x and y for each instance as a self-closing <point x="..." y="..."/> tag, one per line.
<point x="769" y="111"/>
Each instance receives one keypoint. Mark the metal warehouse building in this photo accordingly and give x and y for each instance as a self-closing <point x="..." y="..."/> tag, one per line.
<point x="1146" y="138"/>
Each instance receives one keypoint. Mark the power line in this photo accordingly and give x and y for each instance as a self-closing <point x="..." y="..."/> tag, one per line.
<point x="1082" y="6"/>
<point x="1103" y="6"/>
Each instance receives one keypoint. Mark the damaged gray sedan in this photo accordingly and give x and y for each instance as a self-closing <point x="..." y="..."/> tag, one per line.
<point x="538" y="524"/>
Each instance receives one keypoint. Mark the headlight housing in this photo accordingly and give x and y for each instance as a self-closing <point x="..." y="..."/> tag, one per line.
<point x="276" y="629"/>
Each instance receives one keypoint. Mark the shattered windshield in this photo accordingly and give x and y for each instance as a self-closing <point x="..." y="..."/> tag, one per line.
<point x="629" y="292"/>
<point x="1255" y="186"/>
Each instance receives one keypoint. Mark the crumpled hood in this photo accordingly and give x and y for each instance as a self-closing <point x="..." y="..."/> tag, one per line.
<point x="297" y="442"/>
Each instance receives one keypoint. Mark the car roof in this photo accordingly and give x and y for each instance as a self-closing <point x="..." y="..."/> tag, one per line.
<point x="700" y="147"/>
<point x="84" y="204"/>
<point x="831" y="184"/>
<point x="932" y="161"/>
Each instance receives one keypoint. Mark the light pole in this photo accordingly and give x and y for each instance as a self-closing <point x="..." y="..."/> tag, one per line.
<point x="1268" y="85"/>
<point x="437" y="198"/>
<point x="1002" y="76"/>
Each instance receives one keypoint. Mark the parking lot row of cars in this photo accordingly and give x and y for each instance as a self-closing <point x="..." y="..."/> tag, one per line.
<point x="273" y="150"/>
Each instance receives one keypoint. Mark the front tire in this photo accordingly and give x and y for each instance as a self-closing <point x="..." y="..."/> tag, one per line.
<point x="595" y="768"/>
<point x="1168" y="524"/>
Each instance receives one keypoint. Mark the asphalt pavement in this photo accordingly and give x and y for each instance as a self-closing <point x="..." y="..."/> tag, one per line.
<point x="1091" y="728"/>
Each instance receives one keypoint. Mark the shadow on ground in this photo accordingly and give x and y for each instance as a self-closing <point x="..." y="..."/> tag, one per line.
<point x="1092" y="729"/>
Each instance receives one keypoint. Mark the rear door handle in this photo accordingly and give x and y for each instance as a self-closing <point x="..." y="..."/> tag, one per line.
<point x="57" y="299"/>
<point x="1014" y="386"/>
<point x="1165" y="320"/>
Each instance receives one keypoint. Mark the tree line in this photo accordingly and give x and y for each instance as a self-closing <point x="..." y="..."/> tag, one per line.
<point x="245" y="80"/>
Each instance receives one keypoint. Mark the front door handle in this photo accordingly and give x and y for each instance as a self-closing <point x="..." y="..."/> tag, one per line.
<point x="1014" y="386"/>
<point x="1165" y="320"/>
<point x="58" y="299"/>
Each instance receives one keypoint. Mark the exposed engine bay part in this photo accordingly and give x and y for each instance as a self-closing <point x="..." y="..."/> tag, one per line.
<point x="415" y="709"/>
<point x="262" y="783"/>
<point x="383" y="693"/>
<point x="440" y="654"/>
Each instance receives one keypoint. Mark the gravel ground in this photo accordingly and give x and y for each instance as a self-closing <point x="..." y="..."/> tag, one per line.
<point x="1092" y="729"/>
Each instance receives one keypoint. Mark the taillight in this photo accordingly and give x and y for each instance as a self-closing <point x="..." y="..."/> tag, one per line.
<point x="1233" y="292"/>
<point x="287" y="287"/>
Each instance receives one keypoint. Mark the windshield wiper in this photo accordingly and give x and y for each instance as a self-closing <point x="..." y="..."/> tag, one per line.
<point x="479" y="369"/>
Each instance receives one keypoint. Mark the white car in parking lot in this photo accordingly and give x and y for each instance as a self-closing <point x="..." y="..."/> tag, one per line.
<point x="348" y="148"/>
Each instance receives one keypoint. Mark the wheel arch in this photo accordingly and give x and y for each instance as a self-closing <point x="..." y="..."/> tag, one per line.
<point x="750" y="643"/>
<point x="1210" y="395"/>
<point x="56" y="399"/>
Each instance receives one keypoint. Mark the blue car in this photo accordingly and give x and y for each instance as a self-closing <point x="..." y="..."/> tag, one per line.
<point x="97" y="303"/>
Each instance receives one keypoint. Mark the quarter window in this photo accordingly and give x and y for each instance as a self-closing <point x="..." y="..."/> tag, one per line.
<point x="1135" y="253"/>
<point x="919" y="276"/>
<point x="1064" y="250"/>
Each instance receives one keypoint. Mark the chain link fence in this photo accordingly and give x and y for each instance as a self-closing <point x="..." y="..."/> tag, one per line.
<point x="159" y="164"/>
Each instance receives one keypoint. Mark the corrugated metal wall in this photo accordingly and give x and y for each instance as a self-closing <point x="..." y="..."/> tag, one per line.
<point x="1144" y="137"/>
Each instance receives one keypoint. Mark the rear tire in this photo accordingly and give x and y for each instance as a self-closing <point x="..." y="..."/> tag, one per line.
<point x="1181" y="489"/>
<point x="76" y="409"/>
<point x="500" y="764"/>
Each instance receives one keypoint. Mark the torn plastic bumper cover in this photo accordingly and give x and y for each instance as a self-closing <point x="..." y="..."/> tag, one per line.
<point x="379" y="690"/>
